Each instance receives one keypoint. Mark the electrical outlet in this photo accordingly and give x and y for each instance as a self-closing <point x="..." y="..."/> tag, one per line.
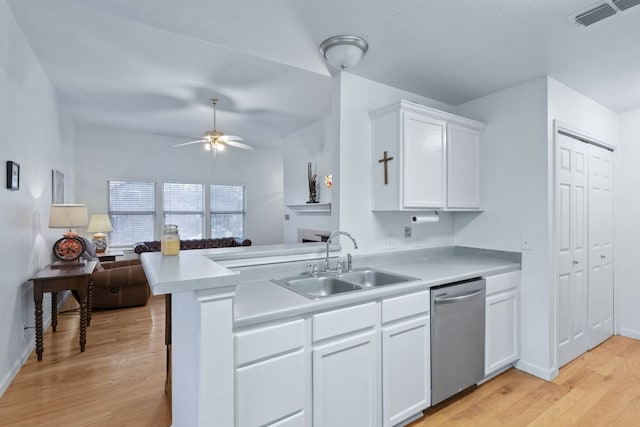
<point x="525" y="242"/>
<point x="407" y="232"/>
<point x="389" y="243"/>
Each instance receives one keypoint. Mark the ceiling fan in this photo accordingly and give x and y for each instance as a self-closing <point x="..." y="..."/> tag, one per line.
<point x="216" y="140"/>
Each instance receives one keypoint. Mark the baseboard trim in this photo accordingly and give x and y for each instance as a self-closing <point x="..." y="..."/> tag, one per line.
<point x="630" y="333"/>
<point x="545" y="374"/>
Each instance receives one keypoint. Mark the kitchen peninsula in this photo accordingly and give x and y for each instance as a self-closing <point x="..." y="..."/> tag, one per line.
<point x="248" y="351"/>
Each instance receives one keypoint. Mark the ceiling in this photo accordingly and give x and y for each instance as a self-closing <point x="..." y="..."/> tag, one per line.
<point x="152" y="65"/>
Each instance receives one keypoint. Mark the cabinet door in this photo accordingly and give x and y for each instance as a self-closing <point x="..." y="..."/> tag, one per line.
<point x="345" y="382"/>
<point x="406" y="371"/>
<point x="272" y="389"/>
<point x="501" y="331"/>
<point x="463" y="168"/>
<point x="423" y="161"/>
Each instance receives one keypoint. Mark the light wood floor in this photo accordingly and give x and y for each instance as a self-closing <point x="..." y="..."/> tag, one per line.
<point x="118" y="381"/>
<point x="600" y="388"/>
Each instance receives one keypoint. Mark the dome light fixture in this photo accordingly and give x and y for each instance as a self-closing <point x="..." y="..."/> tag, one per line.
<point x="343" y="51"/>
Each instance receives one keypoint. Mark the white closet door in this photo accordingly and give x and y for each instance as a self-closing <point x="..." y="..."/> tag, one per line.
<point x="572" y="247"/>
<point x="600" y="245"/>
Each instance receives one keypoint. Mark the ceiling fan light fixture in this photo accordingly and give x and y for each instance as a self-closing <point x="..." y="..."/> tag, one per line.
<point x="343" y="51"/>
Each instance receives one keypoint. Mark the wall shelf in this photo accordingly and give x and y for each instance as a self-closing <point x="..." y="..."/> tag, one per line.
<point x="311" y="208"/>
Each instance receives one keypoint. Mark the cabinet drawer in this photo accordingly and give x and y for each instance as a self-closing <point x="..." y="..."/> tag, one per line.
<point x="345" y="320"/>
<point x="503" y="282"/>
<point x="256" y="344"/>
<point x="405" y="306"/>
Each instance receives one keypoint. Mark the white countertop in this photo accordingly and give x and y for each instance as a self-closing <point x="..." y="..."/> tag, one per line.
<point x="187" y="271"/>
<point x="262" y="300"/>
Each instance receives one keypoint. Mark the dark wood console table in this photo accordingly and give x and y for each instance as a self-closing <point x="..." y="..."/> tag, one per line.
<point x="62" y="279"/>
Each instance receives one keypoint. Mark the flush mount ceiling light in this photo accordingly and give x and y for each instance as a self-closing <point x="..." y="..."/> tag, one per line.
<point x="343" y="51"/>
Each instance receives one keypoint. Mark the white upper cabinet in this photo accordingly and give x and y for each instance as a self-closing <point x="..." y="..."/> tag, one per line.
<point x="463" y="167"/>
<point x="424" y="159"/>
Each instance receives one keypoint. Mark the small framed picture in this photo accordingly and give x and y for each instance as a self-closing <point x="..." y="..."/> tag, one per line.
<point x="13" y="175"/>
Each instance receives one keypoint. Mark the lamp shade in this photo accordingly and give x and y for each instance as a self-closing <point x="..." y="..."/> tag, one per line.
<point x="68" y="216"/>
<point x="99" y="223"/>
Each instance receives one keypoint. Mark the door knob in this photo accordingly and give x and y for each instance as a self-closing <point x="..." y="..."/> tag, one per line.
<point x="603" y="256"/>
<point x="576" y="262"/>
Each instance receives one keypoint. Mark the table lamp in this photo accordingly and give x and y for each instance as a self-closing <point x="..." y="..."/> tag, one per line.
<point x="69" y="248"/>
<point x="100" y="224"/>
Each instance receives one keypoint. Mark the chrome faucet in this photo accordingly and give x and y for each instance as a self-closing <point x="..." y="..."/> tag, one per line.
<point x="334" y="234"/>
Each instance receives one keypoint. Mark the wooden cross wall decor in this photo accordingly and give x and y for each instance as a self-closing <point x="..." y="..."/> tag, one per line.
<point x="385" y="160"/>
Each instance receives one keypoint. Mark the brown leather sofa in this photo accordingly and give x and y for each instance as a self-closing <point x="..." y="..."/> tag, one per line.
<point x="119" y="284"/>
<point x="224" y="242"/>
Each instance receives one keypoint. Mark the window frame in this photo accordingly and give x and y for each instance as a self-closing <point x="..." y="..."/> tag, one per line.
<point x="112" y="213"/>
<point x="164" y="212"/>
<point x="159" y="212"/>
<point x="243" y="212"/>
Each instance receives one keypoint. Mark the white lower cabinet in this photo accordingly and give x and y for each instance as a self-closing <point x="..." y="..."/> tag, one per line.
<point x="365" y="365"/>
<point x="406" y="354"/>
<point x="346" y="367"/>
<point x="273" y="376"/>
<point x="502" y="322"/>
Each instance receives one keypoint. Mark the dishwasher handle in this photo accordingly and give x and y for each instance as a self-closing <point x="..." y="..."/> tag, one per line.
<point x="437" y="300"/>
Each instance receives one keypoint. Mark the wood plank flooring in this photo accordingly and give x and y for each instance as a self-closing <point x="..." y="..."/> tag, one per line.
<point x="118" y="381"/>
<point x="600" y="388"/>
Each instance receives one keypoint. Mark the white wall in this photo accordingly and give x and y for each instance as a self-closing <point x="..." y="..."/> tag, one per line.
<point x="103" y="153"/>
<point x="357" y="97"/>
<point x="32" y="136"/>
<point x="310" y="144"/>
<point x="514" y="194"/>
<point x="627" y="231"/>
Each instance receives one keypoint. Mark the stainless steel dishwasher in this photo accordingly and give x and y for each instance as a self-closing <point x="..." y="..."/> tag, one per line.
<point x="457" y="337"/>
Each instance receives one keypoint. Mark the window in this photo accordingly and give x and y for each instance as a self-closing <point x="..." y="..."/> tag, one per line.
<point x="184" y="206"/>
<point x="227" y="210"/>
<point x="132" y="209"/>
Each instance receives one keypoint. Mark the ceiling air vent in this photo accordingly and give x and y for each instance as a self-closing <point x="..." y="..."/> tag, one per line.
<point x="625" y="4"/>
<point x="594" y="15"/>
<point x="601" y="11"/>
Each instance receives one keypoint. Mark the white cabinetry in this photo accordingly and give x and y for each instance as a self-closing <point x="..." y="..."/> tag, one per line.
<point x="273" y="376"/>
<point x="346" y="367"/>
<point x="434" y="159"/>
<point x="502" y="345"/>
<point x="406" y="371"/>
<point x="463" y="167"/>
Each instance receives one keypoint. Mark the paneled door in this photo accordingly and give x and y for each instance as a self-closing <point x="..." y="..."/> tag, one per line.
<point x="572" y="247"/>
<point x="600" y="245"/>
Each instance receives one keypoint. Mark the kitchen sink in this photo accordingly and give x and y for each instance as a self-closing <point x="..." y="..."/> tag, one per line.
<point x="318" y="287"/>
<point x="370" y="278"/>
<point x="334" y="283"/>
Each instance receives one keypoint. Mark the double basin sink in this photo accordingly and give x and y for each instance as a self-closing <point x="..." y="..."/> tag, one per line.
<point x="328" y="284"/>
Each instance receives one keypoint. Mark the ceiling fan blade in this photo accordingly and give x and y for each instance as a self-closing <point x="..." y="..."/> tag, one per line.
<point x="226" y="138"/>
<point x="240" y="145"/>
<point x="190" y="142"/>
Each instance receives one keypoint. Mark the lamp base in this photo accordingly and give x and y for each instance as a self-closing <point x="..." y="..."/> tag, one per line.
<point x="100" y="244"/>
